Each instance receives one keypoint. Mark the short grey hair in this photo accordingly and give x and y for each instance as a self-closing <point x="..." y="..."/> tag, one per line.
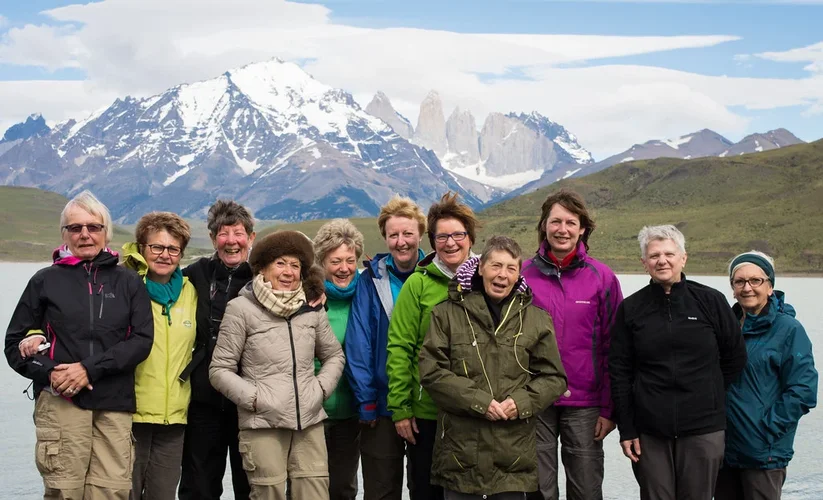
<point x="501" y="244"/>
<point x="334" y="233"/>
<point x="88" y="202"/>
<point x="659" y="233"/>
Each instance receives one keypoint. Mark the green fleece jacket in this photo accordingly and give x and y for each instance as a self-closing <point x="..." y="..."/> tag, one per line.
<point x="341" y="404"/>
<point x="410" y="319"/>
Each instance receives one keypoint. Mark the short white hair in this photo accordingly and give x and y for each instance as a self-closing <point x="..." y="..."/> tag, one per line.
<point x="660" y="233"/>
<point x="88" y="202"/>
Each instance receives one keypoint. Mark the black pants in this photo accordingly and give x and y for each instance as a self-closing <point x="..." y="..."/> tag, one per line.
<point x="381" y="454"/>
<point x="343" y="448"/>
<point x="420" y="462"/>
<point x="679" y="469"/>
<point x="749" y="484"/>
<point x="211" y="432"/>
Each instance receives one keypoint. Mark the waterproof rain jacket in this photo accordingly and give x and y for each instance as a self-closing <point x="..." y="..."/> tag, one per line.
<point x="672" y="357"/>
<point x="93" y="312"/>
<point x="423" y="290"/>
<point x="778" y="386"/>
<point x="162" y="398"/>
<point x="367" y="339"/>
<point x="582" y="300"/>
<point x="467" y="361"/>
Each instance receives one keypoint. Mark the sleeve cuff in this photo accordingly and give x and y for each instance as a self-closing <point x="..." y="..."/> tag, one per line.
<point x="368" y="411"/>
<point x="523" y="402"/>
<point x="403" y="414"/>
<point x="481" y="402"/>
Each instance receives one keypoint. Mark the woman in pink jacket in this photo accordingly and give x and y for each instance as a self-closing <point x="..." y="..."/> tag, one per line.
<point x="581" y="294"/>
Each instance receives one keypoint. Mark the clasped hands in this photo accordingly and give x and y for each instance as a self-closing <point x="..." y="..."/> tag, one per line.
<point x="507" y="410"/>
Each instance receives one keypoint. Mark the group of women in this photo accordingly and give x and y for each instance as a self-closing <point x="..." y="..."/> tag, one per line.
<point x="283" y="355"/>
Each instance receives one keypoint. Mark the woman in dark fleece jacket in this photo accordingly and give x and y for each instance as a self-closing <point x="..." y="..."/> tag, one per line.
<point x="675" y="348"/>
<point x="80" y="329"/>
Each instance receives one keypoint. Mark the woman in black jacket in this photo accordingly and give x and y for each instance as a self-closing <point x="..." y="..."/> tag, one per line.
<point x="675" y="347"/>
<point x="79" y="330"/>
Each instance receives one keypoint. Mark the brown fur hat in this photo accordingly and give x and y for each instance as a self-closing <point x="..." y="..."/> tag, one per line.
<point x="314" y="285"/>
<point x="280" y="243"/>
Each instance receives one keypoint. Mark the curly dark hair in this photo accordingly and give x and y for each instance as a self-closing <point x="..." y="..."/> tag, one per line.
<point x="228" y="213"/>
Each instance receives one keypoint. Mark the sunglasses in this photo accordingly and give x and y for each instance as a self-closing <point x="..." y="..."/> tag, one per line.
<point x="78" y="228"/>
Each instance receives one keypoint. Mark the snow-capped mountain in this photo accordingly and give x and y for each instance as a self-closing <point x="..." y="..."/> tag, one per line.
<point x="267" y="134"/>
<point x="509" y="151"/>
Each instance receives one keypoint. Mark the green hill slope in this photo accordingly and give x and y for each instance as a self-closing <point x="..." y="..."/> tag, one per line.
<point x="771" y="201"/>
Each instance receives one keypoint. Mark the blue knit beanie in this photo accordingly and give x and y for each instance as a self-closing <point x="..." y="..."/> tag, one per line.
<point x="752" y="258"/>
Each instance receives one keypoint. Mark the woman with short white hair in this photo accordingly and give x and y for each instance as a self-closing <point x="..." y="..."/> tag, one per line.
<point x="675" y="347"/>
<point x="79" y="331"/>
<point x="778" y="386"/>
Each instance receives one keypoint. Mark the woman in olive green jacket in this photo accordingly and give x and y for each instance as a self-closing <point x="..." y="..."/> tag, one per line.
<point x="490" y="363"/>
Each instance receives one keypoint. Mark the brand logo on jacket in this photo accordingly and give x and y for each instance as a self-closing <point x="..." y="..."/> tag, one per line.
<point x="582" y="302"/>
<point x="692" y="318"/>
<point x="108" y="295"/>
<point x="187" y="323"/>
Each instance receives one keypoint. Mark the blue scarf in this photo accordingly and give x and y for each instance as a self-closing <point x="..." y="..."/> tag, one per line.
<point x="334" y="292"/>
<point x="166" y="294"/>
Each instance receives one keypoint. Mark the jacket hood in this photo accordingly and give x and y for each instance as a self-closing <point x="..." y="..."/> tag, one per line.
<point x="134" y="260"/>
<point x="374" y="263"/>
<point x="469" y="280"/>
<point x="61" y="256"/>
<point x="762" y="323"/>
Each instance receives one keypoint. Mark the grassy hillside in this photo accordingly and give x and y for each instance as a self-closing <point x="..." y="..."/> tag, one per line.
<point x="771" y="201"/>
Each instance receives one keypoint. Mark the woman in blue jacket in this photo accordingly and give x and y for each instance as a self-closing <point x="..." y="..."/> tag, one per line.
<point x="777" y="387"/>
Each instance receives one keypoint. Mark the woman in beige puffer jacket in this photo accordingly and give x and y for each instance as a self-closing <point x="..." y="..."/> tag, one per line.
<point x="264" y="363"/>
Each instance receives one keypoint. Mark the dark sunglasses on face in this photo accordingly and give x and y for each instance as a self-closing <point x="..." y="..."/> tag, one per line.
<point x="78" y="228"/>
<point x="158" y="250"/>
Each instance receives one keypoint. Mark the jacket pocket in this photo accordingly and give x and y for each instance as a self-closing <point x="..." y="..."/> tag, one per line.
<point x="48" y="450"/>
<point x="518" y="451"/>
<point x="457" y="439"/>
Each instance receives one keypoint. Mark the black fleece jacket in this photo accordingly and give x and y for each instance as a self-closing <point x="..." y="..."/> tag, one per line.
<point x="671" y="358"/>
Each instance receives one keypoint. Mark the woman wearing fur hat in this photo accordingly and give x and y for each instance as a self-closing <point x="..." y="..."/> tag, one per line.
<point x="274" y="335"/>
<point x="777" y="387"/>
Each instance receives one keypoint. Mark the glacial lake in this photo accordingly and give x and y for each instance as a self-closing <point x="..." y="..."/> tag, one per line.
<point x="19" y="477"/>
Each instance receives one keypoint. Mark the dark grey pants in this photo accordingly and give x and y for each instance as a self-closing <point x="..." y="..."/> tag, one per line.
<point x="582" y="456"/>
<point x="382" y="452"/>
<point x="343" y="447"/>
<point x="508" y="495"/>
<point x="158" y="453"/>
<point x="749" y="484"/>
<point x="679" y="469"/>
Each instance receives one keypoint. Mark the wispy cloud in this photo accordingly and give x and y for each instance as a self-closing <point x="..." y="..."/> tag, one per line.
<point x="812" y="54"/>
<point x="607" y="106"/>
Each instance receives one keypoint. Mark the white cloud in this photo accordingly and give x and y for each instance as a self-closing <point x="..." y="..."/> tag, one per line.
<point x="812" y="54"/>
<point x="4" y="21"/>
<point x="141" y="47"/>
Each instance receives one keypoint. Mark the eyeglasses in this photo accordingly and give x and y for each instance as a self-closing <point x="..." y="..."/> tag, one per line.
<point x="444" y="237"/>
<point x="754" y="282"/>
<point x="158" y="250"/>
<point x="78" y="228"/>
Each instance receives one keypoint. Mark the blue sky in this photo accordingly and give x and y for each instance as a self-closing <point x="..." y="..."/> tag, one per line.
<point x="729" y="65"/>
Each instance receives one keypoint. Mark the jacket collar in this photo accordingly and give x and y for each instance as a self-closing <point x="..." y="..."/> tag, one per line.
<point x="677" y="291"/>
<point x="549" y="268"/>
<point x="762" y="323"/>
<point x="63" y="257"/>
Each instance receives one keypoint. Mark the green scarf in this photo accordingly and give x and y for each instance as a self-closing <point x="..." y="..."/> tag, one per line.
<point x="166" y="294"/>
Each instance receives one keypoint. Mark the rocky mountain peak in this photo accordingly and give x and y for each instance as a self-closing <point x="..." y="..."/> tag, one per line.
<point x="462" y="138"/>
<point x="431" y="125"/>
<point x="34" y="126"/>
<point x="381" y="107"/>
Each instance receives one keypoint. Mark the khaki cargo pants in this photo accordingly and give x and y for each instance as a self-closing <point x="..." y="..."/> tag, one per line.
<point x="271" y="456"/>
<point x="82" y="454"/>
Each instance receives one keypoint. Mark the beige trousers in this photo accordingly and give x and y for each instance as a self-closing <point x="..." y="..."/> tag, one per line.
<point x="82" y="454"/>
<point x="271" y="456"/>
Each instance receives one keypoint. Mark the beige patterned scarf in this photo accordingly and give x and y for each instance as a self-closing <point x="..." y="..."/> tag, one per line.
<point x="281" y="303"/>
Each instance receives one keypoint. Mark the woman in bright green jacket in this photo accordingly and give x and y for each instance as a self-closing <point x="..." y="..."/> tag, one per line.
<point x="452" y="230"/>
<point x="338" y="246"/>
<point x="162" y="398"/>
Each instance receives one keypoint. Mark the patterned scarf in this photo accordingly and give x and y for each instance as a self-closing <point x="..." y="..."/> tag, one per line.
<point x="281" y="303"/>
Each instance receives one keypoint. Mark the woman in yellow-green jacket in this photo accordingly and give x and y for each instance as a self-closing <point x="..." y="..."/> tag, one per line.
<point x="162" y="398"/>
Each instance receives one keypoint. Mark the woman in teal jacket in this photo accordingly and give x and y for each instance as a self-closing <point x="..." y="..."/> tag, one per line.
<point x="777" y="387"/>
